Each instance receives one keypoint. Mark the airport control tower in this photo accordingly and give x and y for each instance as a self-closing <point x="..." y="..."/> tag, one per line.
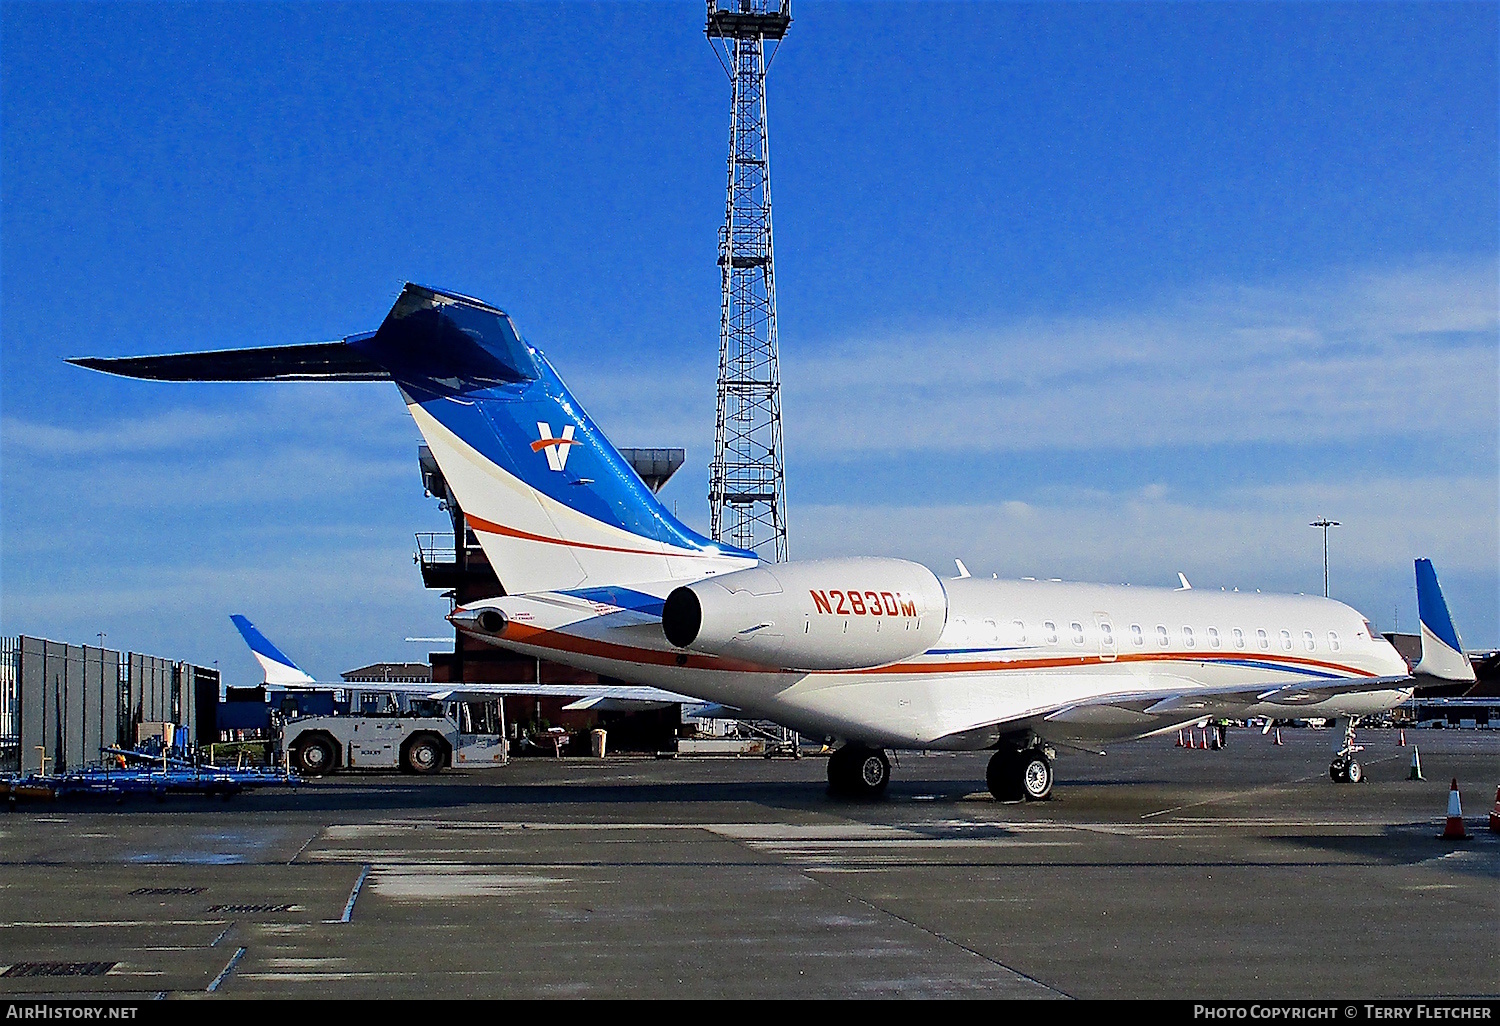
<point x="747" y="486"/>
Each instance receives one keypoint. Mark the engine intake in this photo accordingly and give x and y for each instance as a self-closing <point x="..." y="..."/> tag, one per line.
<point x="824" y="614"/>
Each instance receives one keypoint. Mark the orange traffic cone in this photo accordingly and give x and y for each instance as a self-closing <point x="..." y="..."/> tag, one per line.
<point x="1180" y="742"/>
<point x="1454" y="830"/>
<point x="1495" y="816"/>
<point x="1402" y="743"/>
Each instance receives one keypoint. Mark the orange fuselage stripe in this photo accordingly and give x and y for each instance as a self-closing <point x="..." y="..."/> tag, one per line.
<point x="560" y="641"/>
<point x="490" y="527"/>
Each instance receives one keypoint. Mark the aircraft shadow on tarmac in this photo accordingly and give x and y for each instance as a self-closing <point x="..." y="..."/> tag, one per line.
<point x="1409" y="844"/>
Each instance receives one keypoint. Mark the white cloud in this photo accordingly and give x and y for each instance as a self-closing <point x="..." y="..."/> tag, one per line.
<point x="1255" y="537"/>
<point x="1366" y="355"/>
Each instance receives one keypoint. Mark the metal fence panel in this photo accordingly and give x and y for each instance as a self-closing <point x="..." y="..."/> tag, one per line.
<point x="33" y="708"/>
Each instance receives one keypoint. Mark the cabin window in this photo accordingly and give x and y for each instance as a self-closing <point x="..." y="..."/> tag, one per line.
<point x="1187" y="637"/>
<point x="1239" y="638"/>
<point x="1020" y="632"/>
<point x="1161" y="635"/>
<point x="994" y="632"/>
<point x="1137" y="635"/>
<point x="1333" y="640"/>
<point x="1077" y="632"/>
<point x="1286" y="640"/>
<point x="1262" y="637"/>
<point x="1213" y="637"/>
<point x="1051" y="629"/>
<point x="1308" y="642"/>
<point x="1108" y="635"/>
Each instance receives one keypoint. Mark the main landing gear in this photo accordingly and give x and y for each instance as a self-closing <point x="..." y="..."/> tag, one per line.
<point x="1021" y="776"/>
<point x="855" y="771"/>
<point x="1344" y="769"/>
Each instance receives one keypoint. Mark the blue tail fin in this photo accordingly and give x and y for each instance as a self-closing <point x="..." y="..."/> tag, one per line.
<point x="279" y="670"/>
<point x="553" y="503"/>
<point x="1442" y="650"/>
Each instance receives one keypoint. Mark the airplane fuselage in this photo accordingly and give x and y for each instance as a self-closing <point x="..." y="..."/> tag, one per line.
<point x="1011" y="655"/>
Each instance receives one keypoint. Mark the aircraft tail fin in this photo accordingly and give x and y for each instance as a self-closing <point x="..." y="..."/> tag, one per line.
<point x="1442" y="650"/>
<point x="554" y="504"/>
<point x="279" y="670"/>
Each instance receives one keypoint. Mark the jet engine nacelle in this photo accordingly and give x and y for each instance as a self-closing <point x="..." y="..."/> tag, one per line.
<point x="820" y="614"/>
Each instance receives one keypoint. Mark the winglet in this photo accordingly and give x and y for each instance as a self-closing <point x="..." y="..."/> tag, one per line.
<point x="1442" y="650"/>
<point x="963" y="571"/>
<point x="279" y="670"/>
<point x="1183" y="578"/>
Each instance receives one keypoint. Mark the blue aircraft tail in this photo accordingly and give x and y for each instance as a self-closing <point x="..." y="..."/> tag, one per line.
<point x="279" y="670"/>
<point x="553" y="503"/>
<point x="1442" y="651"/>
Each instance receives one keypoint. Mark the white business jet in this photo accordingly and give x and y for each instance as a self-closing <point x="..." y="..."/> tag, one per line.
<point x="877" y="654"/>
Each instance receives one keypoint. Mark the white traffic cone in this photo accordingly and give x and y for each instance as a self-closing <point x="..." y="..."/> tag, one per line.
<point x="1453" y="830"/>
<point x="1278" y="735"/>
<point x="1416" y="764"/>
<point x="1402" y="743"/>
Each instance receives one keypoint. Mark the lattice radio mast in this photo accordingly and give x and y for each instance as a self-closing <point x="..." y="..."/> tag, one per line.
<point x="747" y="486"/>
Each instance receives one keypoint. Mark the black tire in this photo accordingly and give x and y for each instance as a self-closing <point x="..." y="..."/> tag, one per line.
<point x="1003" y="776"/>
<point x="423" y="754"/>
<point x="314" y="756"/>
<point x="1035" y="775"/>
<point x="855" y="771"/>
<point x="838" y="771"/>
<point x="1354" y="772"/>
<point x="1339" y="771"/>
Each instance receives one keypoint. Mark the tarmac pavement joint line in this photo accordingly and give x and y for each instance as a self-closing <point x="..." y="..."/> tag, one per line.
<point x="302" y="849"/>
<point x="943" y="938"/>
<point x="224" y="973"/>
<point x="353" y="896"/>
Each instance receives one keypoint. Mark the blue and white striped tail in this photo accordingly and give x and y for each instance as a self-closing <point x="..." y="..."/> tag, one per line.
<point x="279" y="670"/>
<point x="1442" y="650"/>
<point x="552" y="502"/>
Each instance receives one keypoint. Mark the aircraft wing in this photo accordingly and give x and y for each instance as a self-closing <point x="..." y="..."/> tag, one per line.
<point x="1168" y="702"/>
<point x="587" y="696"/>
<point x="1157" y="710"/>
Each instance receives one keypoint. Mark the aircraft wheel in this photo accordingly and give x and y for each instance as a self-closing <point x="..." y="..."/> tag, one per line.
<point x="1354" y="773"/>
<point x="1003" y="776"/>
<point x="858" y="772"/>
<point x="1036" y="775"/>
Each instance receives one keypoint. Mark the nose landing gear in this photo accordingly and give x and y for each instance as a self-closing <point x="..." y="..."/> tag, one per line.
<point x="1344" y="769"/>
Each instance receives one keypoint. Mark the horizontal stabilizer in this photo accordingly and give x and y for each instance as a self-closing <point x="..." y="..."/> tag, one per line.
<point x="313" y="361"/>
<point x="1442" y="650"/>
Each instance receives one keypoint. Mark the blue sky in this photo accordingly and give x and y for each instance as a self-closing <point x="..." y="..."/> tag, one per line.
<point x="1095" y="291"/>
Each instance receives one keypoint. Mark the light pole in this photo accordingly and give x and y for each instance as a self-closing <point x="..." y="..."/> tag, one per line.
<point x="1325" y="524"/>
